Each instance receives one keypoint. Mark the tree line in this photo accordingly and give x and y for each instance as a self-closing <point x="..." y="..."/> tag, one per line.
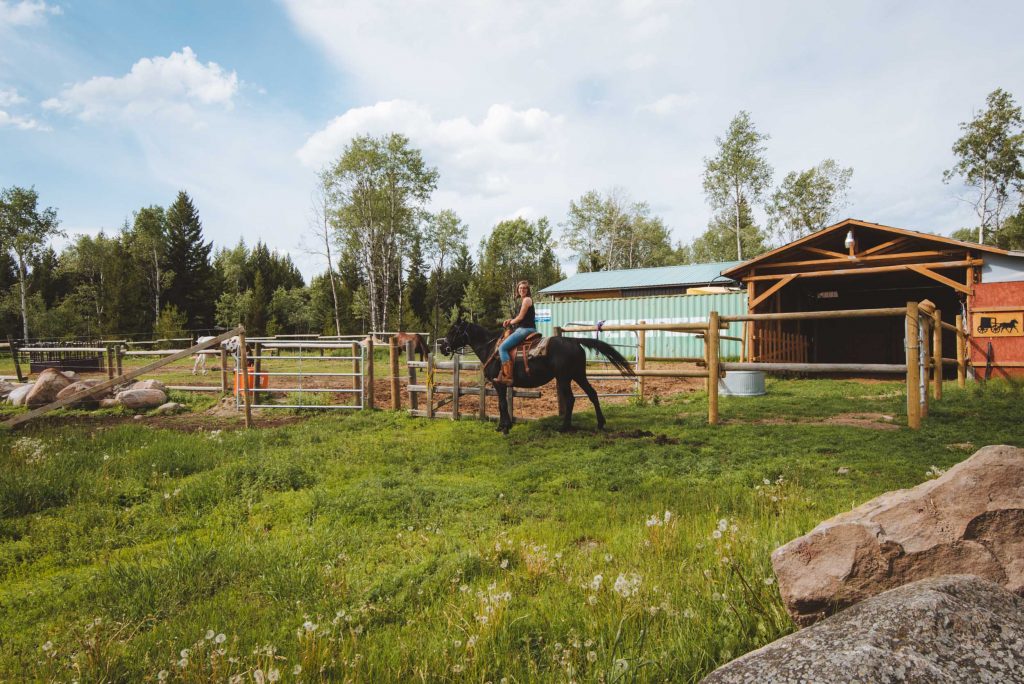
<point x="390" y="263"/>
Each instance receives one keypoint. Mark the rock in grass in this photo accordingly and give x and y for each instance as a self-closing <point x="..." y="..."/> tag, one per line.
<point x="169" y="408"/>
<point x="6" y="388"/>
<point x="49" y="383"/>
<point x="109" y="402"/>
<point x="141" y="398"/>
<point x="148" y="385"/>
<point x="18" y="394"/>
<point x="88" y="402"/>
<point x="951" y="629"/>
<point x="968" y="521"/>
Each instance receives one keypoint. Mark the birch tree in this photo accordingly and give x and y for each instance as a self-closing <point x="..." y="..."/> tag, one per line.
<point x="988" y="160"/>
<point x="148" y="242"/>
<point x="808" y="201"/>
<point x="322" y="232"/>
<point x="379" y="189"/>
<point x="611" y="231"/>
<point x="738" y="172"/>
<point x="25" y="230"/>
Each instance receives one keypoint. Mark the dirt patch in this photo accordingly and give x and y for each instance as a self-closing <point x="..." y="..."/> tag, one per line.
<point x="869" y="421"/>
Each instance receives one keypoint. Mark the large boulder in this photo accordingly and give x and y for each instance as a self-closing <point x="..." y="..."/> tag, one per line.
<point x="74" y="388"/>
<point x="968" y="521"/>
<point x="950" y="629"/>
<point x="49" y="383"/>
<point x="6" y="388"/>
<point x="18" y="394"/>
<point x="149" y="385"/>
<point x="141" y="398"/>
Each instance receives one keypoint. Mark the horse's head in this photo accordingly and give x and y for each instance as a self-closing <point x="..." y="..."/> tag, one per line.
<point x="456" y="338"/>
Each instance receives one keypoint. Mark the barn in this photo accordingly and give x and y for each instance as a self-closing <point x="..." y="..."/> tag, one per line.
<point x="856" y="264"/>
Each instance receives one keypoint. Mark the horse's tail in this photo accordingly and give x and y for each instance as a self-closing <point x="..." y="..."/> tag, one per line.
<point x="607" y="350"/>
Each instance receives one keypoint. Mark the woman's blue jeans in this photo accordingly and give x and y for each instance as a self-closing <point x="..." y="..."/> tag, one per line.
<point x="511" y="341"/>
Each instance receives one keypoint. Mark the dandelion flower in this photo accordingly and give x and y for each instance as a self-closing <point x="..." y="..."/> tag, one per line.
<point x="471" y="641"/>
<point x="621" y="665"/>
<point x="161" y="676"/>
<point x="723" y="524"/>
<point x="273" y="674"/>
<point x="257" y="676"/>
<point x="297" y="670"/>
<point x="592" y="600"/>
<point x="183" y="663"/>
<point x="48" y="646"/>
<point x="766" y="481"/>
<point x="457" y="643"/>
<point x="769" y="581"/>
<point x="595" y="583"/>
<point x="456" y="668"/>
<point x="717" y="534"/>
<point x="653" y="521"/>
<point x="309" y="626"/>
<point x="209" y="634"/>
<point x="504" y="563"/>
<point x="591" y="657"/>
<point x="184" y="653"/>
<point x="608" y="558"/>
<point x="219" y="639"/>
<point x="668" y="516"/>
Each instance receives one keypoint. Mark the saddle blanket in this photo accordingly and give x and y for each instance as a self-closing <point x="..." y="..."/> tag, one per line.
<point x="540" y="349"/>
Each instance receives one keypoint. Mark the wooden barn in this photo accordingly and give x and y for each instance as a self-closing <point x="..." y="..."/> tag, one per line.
<point x="860" y="265"/>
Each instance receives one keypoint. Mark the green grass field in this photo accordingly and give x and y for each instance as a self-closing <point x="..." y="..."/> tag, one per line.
<point x="374" y="547"/>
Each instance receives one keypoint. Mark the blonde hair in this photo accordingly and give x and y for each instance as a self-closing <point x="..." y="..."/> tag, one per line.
<point x="529" y="291"/>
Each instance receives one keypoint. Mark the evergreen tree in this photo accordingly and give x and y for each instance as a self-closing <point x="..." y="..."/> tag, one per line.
<point x="416" y="286"/>
<point x="192" y="284"/>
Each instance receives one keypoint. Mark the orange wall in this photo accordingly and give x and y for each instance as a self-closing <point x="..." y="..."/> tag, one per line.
<point x="1006" y="349"/>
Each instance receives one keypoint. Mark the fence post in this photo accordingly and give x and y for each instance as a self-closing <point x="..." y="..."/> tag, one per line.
<point x="937" y="355"/>
<point x="925" y="361"/>
<point x="455" y="386"/>
<point x="368" y="373"/>
<point x="482" y="409"/>
<point x="258" y="366"/>
<point x="396" y="389"/>
<point x="711" y="344"/>
<point x="223" y="370"/>
<point x="244" y="360"/>
<point x="641" y="357"/>
<point x="414" y="397"/>
<point x="110" y="362"/>
<point x="913" y="368"/>
<point x="119" y="356"/>
<point x="17" y="362"/>
<point x="961" y="356"/>
<point x="430" y="385"/>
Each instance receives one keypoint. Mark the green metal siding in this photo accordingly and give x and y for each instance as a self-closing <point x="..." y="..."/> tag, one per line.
<point x="669" y="309"/>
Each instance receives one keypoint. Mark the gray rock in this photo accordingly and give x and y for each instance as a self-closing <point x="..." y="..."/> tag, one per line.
<point x="148" y="385"/>
<point x="954" y="629"/>
<point x="169" y="408"/>
<point x="18" y="394"/>
<point x="74" y="388"/>
<point x="109" y="402"/>
<point x="49" y="383"/>
<point x="141" y="398"/>
<point x="6" y="388"/>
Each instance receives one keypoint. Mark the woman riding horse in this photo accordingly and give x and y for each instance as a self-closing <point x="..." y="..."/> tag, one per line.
<point x="526" y="325"/>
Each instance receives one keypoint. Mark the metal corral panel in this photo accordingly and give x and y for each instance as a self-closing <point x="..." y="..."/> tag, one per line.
<point x="669" y="309"/>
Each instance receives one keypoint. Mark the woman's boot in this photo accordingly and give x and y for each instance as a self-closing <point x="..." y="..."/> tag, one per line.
<point x="505" y="376"/>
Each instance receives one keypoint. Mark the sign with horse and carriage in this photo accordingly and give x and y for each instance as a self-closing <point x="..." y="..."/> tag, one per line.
<point x="1001" y="324"/>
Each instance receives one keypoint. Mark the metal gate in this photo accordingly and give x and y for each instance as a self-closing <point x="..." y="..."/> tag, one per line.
<point x="310" y="374"/>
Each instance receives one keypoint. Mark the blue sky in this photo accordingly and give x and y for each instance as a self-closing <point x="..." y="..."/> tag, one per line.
<point x="109" y="106"/>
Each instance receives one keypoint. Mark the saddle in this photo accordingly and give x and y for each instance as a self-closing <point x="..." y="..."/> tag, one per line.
<point x="534" y="339"/>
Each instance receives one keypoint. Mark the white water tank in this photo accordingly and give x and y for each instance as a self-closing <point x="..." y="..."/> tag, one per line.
<point x="742" y="384"/>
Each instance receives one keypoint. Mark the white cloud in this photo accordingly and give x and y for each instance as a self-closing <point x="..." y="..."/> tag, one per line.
<point x="24" y="123"/>
<point x="10" y="97"/>
<point x="25" y="12"/>
<point x="669" y="104"/>
<point x="474" y="157"/>
<point x="169" y="87"/>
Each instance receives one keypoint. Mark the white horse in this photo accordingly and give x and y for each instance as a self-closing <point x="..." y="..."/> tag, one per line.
<point x="199" y="363"/>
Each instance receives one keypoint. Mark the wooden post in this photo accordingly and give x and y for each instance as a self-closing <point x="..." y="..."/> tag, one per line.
<point x="258" y="366"/>
<point x="913" y="368"/>
<point x="368" y="373"/>
<point x="17" y="361"/>
<point x="244" y="362"/>
<point x="430" y="385"/>
<point x="396" y="388"/>
<point x="119" y="356"/>
<point x="110" y="362"/>
<point x="414" y="397"/>
<point x="455" y="386"/>
<point x="925" y="360"/>
<point x="937" y="367"/>
<point x="641" y="358"/>
<point x="482" y="409"/>
<point x="961" y="356"/>
<point x="223" y="371"/>
<point x="711" y="345"/>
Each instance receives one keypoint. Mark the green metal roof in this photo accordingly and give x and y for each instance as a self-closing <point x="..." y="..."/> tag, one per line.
<point x="662" y="276"/>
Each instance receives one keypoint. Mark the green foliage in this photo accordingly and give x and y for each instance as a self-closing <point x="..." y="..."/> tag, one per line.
<point x="990" y="160"/>
<point x="718" y="242"/>
<point x="192" y="287"/>
<point x="613" y="232"/>
<point x="25" y="230"/>
<point x="377" y="547"/>
<point x="172" y="323"/>
<point x="808" y="201"/>
<point x="739" y="172"/>
<point x="515" y="250"/>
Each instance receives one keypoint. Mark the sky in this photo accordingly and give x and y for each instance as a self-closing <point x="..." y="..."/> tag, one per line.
<point x="106" y="107"/>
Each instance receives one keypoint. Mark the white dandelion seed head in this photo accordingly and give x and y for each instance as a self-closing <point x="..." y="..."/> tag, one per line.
<point x="48" y="646"/>
<point x="219" y="639"/>
<point x="161" y="676"/>
<point x="309" y="626"/>
<point x="595" y="583"/>
<point x="723" y="524"/>
<point x="209" y="634"/>
<point x="717" y="534"/>
<point x="258" y="676"/>
<point x="591" y="657"/>
<point x="621" y="665"/>
<point x="668" y="516"/>
<point x="273" y="674"/>
<point x="297" y="670"/>
<point x="769" y="581"/>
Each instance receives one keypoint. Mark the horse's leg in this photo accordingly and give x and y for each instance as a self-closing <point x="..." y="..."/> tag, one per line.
<point x="568" y="400"/>
<point x="592" y="395"/>
<point x="504" y="422"/>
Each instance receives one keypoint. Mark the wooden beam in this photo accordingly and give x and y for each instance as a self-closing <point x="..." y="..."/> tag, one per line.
<point x="825" y="252"/>
<point x="872" y="269"/>
<point x="107" y="384"/>
<point x="773" y="289"/>
<point x="859" y="259"/>
<point x="883" y="246"/>
<point x="928" y="273"/>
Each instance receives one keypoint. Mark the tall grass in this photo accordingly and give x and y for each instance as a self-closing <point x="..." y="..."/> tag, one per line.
<point x="375" y="547"/>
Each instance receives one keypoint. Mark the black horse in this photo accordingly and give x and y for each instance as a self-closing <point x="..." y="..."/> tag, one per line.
<point x="565" y="362"/>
